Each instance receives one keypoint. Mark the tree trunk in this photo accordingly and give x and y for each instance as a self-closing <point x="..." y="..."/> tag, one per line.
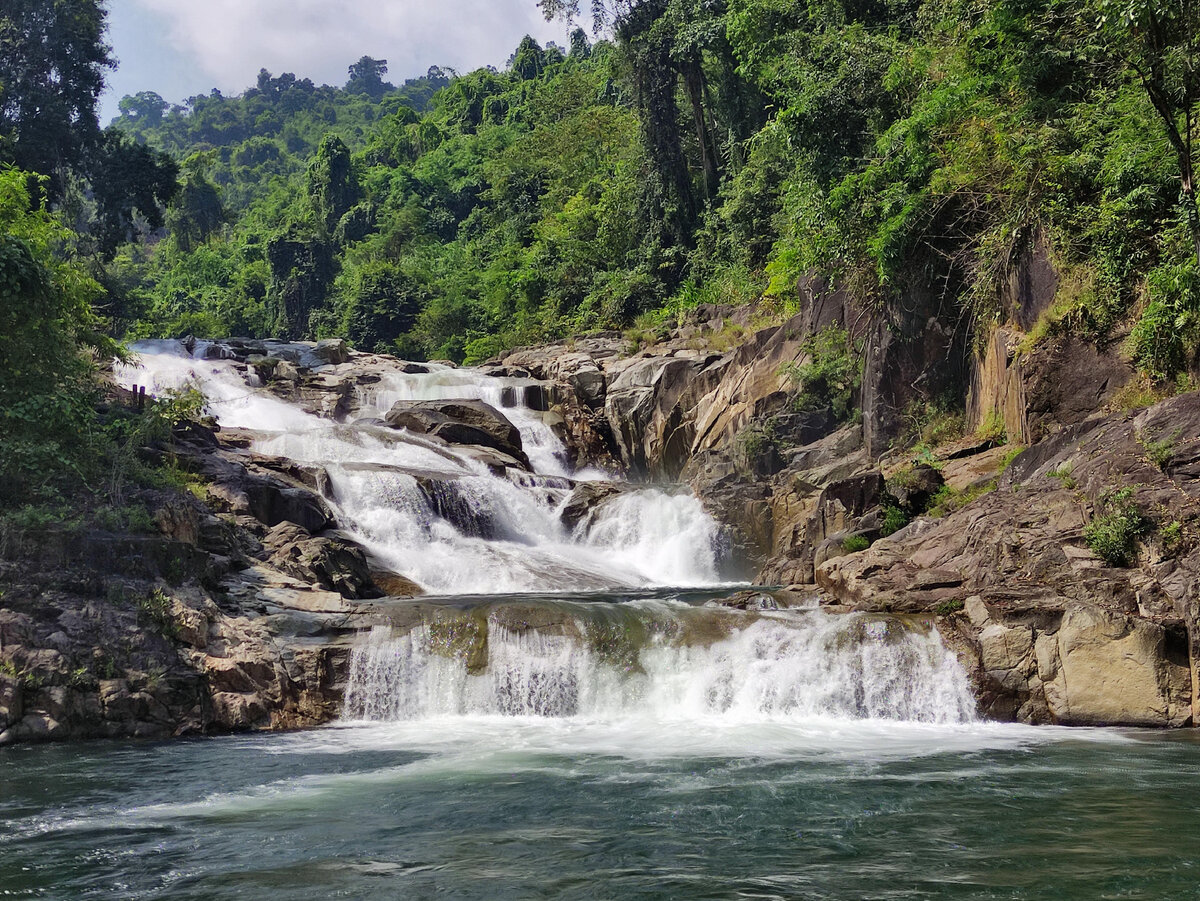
<point x="693" y="82"/>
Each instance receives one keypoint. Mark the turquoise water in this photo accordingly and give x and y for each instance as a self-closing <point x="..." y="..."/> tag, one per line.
<point x="496" y="807"/>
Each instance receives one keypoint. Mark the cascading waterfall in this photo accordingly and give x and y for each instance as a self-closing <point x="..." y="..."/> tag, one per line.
<point x="785" y="665"/>
<point x="435" y="514"/>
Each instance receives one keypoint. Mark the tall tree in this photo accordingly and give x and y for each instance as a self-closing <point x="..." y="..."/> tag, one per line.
<point x="333" y="186"/>
<point x="1160" y="41"/>
<point x="52" y="64"/>
<point x="366" y="77"/>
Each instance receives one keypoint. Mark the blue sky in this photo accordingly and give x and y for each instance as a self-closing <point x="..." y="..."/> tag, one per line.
<point x="183" y="47"/>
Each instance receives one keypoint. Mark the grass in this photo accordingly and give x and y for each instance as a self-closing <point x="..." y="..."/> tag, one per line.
<point x="1011" y="454"/>
<point x="1063" y="473"/>
<point x="1159" y="451"/>
<point x="993" y="428"/>
<point x="949" y="500"/>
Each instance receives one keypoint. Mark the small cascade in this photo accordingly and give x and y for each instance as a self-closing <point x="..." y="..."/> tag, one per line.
<point x="663" y="662"/>
<point x="434" y="513"/>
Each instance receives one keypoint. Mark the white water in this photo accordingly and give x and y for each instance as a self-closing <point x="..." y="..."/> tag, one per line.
<point x="467" y="531"/>
<point x="786" y="667"/>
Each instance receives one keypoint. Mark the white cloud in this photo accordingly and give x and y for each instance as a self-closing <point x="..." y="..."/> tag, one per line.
<point x="230" y="40"/>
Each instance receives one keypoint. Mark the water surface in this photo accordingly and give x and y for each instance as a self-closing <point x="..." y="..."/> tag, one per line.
<point x="513" y="807"/>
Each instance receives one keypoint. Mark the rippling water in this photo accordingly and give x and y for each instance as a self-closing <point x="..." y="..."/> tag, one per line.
<point x="503" y="807"/>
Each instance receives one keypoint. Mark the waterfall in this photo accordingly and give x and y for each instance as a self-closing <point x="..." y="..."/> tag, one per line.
<point x="435" y="514"/>
<point x="659" y="664"/>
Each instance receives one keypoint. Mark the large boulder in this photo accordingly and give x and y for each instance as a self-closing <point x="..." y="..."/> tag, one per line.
<point x="329" y="562"/>
<point x="460" y="422"/>
<point x="1104" y="668"/>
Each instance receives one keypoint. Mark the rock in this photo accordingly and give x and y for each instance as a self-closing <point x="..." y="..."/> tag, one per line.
<point x="328" y="562"/>
<point x="976" y="611"/>
<point x="272" y="503"/>
<point x="1111" y="669"/>
<point x="460" y="422"/>
<point x="332" y="351"/>
<point x="1005" y="648"/>
<point x="586" y="497"/>
<point x="590" y="385"/>
<point x="914" y="488"/>
<point x="394" y="585"/>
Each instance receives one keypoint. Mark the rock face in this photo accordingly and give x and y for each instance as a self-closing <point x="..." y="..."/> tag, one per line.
<point x="238" y="615"/>
<point x="1050" y="632"/>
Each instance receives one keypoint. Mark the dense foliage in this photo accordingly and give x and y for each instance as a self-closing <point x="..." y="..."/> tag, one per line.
<point x="704" y="151"/>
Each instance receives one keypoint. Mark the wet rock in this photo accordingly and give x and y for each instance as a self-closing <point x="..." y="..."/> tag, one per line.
<point x="328" y="562"/>
<point x="460" y="422"/>
<point x="394" y="585"/>
<point x="584" y="500"/>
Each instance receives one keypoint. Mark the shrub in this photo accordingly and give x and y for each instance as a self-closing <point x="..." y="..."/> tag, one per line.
<point x="158" y="608"/>
<point x="830" y="377"/>
<point x="1171" y="537"/>
<point x="852" y="544"/>
<point x="894" y="519"/>
<point x="1165" y="336"/>
<point x="1112" y="535"/>
<point x="756" y="438"/>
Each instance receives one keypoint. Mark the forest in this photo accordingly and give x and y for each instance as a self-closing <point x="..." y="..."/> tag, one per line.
<point x="676" y="152"/>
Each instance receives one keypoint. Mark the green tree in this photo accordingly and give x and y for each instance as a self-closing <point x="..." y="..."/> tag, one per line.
<point x="144" y="109"/>
<point x="366" y="77"/>
<point x="46" y="325"/>
<point x="52" y="64"/>
<point x="197" y="212"/>
<point x="1160" y="41"/>
<point x="333" y="186"/>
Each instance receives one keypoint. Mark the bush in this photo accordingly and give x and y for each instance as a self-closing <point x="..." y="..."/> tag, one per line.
<point x="1165" y="336"/>
<point x="1113" y="534"/>
<point x="852" y="544"/>
<point x="894" y="519"/>
<point x="831" y="376"/>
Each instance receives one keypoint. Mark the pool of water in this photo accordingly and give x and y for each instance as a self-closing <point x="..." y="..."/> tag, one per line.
<point x="523" y="807"/>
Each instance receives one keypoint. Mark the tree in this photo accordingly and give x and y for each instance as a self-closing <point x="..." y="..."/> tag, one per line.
<point x="197" y="212"/>
<point x="52" y="64"/>
<point x="128" y="179"/>
<point x="333" y="186"/>
<point x="1160" y="41"/>
<point x="366" y="77"/>
<point x="529" y="60"/>
<point x="46" y="322"/>
<point x="144" y="108"/>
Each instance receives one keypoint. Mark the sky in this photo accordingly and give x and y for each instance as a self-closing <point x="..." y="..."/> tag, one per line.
<point x="179" y="48"/>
